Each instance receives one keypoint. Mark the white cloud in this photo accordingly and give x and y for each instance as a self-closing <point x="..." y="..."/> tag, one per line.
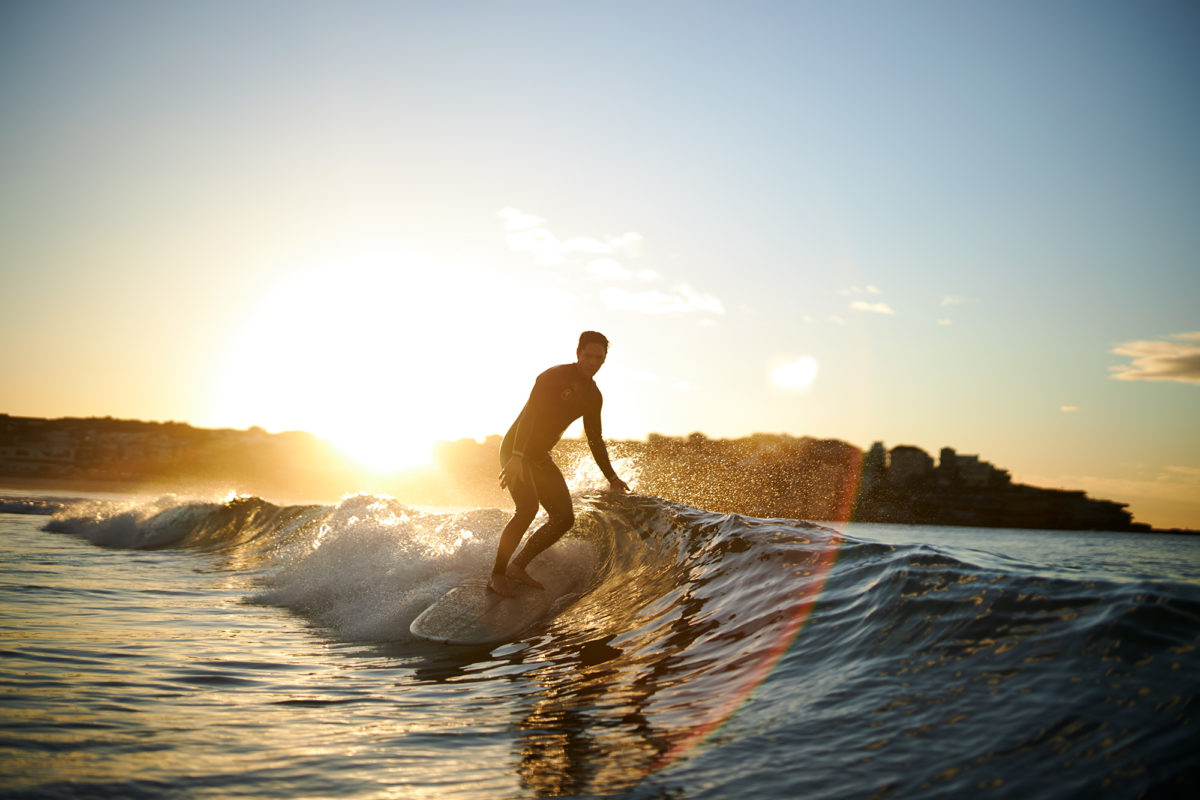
<point x="629" y="242"/>
<point x="876" y="307"/>
<point x="872" y="308"/>
<point x="598" y="258"/>
<point x="952" y="300"/>
<point x="1177" y="360"/>
<point x="945" y="322"/>
<point x="699" y="301"/>
<point x="651" y="301"/>
<point x="529" y="234"/>
<point x="1068" y="409"/>
<point x="543" y="245"/>
<point x="795" y="375"/>
<point x="515" y="220"/>
<point x="682" y="299"/>
<point x="611" y="270"/>
<point x="585" y="244"/>
<point x="548" y="249"/>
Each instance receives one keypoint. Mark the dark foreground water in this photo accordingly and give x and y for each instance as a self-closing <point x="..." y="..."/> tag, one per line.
<point x="239" y="649"/>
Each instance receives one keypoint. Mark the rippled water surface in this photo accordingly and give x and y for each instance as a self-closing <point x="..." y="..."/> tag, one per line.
<point x="241" y="649"/>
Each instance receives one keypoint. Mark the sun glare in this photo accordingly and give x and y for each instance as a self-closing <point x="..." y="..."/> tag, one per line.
<point x="381" y="452"/>
<point x="795" y="375"/>
<point x="365" y="352"/>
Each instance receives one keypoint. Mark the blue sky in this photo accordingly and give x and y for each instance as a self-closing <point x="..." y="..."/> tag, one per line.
<point x="951" y="223"/>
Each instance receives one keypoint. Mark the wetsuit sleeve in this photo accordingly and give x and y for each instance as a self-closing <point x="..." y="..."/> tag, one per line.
<point x="591" y="427"/>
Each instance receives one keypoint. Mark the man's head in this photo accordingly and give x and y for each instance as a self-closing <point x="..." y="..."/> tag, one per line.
<point x="592" y="337"/>
<point x="591" y="352"/>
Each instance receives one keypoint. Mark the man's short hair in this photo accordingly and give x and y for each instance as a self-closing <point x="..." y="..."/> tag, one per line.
<point x="592" y="337"/>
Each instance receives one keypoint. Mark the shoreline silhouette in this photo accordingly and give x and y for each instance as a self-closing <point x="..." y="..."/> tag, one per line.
<point x="762" y="475"/>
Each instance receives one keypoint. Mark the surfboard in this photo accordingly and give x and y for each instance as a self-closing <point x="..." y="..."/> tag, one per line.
<point x="471" y="614"/>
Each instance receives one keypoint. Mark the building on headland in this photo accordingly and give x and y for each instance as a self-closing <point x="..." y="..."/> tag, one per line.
<point x="908" y="464"/>
<point x="969" y="471"/>
<point x="875" y="467"/>
<point x="903" y="485"/>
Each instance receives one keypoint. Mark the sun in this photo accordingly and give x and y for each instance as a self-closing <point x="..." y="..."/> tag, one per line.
<point x="367" y="352"/>
<point x="382" y="452"/>
<point x="795" y="375"/>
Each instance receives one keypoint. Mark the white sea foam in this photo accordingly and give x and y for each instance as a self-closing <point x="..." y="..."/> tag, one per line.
<point x="370" y="567"/>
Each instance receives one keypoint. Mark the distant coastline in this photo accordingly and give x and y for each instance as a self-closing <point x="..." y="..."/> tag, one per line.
<point x="764" y="475"/>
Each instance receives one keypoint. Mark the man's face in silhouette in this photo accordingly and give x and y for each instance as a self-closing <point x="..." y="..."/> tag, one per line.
<point x="591" y="358"/>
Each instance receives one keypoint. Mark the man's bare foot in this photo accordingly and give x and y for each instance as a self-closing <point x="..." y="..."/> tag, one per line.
<point x="515" y="573"/>
<point x="501" y="586"/>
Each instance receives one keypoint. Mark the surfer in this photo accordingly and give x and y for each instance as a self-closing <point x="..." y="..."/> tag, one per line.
<point x="560" y="396"/>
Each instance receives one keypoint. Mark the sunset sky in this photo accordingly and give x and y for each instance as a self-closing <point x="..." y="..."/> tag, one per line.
<point x="958" y="224"/>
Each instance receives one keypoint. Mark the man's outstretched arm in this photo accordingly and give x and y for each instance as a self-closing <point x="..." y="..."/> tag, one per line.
<point x="591" y="427"/>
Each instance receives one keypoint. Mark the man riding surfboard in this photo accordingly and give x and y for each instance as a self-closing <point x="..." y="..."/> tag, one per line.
<point x="560" y="396"/>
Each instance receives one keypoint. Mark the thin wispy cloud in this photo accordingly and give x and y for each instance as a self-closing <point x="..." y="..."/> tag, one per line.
<point x="872" y="308"/>
<point x="867" y="306"/>
<point x="548" y="249"/>
<point x="950" y="301"/>
<point x="1190" y="475"/>
<point x="1175" y="359"/>
<point x="680" y="299"/>
<point x="630" y="243"/>
<point x="609" y="269"/>
<point x="855" y="291"/>
<point x="604" y="259"/>
<point x="1068" y="409"/>
<point x="528" y="233"/>
<point x="515" y="220"/>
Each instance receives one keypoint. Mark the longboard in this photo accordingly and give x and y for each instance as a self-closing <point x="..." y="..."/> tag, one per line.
<point x="472" y="614"/>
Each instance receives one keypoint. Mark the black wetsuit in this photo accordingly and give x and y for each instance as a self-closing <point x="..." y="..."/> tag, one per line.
<point x="560" y="396"/>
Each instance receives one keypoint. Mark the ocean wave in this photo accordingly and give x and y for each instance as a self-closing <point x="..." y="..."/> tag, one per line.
<point x="683" y="614"/>
<point x="643" y="557"/>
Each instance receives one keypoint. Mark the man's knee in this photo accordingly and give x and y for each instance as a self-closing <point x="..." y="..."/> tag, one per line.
<point x="563" y="519"/>
<point x="523" y="515"/>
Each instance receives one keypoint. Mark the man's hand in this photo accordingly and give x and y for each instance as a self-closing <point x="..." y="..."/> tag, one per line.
<point x="513" y="472"/>
<point x="618" y="485"/>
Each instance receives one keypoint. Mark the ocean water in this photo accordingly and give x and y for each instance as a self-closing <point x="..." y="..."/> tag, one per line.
<point x="165" y="647"/>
